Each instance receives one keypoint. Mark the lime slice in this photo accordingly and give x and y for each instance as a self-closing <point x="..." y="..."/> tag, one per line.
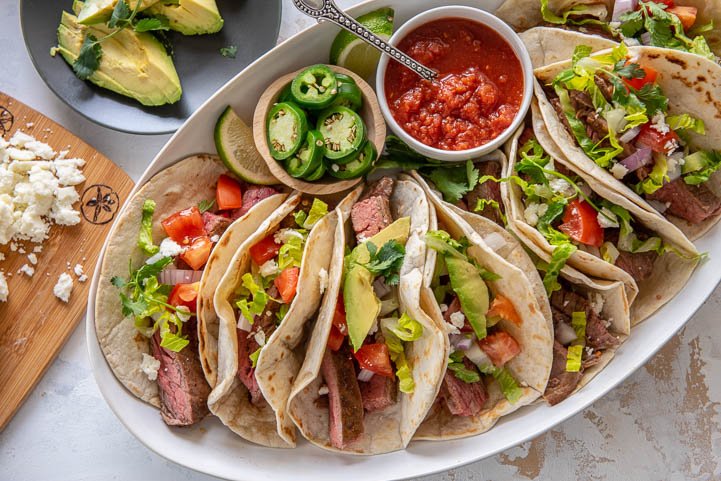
<point x="353" y="53"/>
<point x="234" y="141"/>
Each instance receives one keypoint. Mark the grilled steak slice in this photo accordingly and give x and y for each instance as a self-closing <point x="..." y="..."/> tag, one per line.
<point x="556" y="103"/>
<point x="604" y="86"/>
<point x="561" y="383"/>
<point x="183" y="390"/>
<point x="252" y="195"/>
<point x="596" y="126"/>
<point x="597" y="335"/>
<point x="565" y="302"/>
<point x="639" y="265"/>
<point x="462" y="398"/>
<point x="373" y="214"/>
<point x="345" y="406"/>
<point x="693" y="203"/>
<point x="378" y="393"/>
<point x="489" y="191"/>
<point x="215" y="224"/>
<point x="569" y="302"/>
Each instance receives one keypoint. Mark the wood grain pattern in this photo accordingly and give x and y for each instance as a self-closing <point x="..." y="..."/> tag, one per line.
<point x="34" y="324"/>
<point x="370" y="112"/>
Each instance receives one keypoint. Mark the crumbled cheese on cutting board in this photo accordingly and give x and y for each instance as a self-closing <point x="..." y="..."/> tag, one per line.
<point x="63" y="287"/>
<point x="4" y="292"/>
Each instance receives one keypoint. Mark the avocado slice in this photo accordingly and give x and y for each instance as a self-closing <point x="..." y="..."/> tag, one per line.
<point x="397" y="231"/>
<point x="361" y="304"/>
<point x="189" y="17"/>
<point x="132" y="64"/>
<point x="99" y="11"/>
<point x="472" y="292"/>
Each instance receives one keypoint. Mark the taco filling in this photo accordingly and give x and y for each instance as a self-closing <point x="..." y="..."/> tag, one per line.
<point x="161" y="293"/>
<point x="365" y="366"/>
<point x="269" y="287"/>
<point x="619" y="116"/>
<point x="480" y="347"/>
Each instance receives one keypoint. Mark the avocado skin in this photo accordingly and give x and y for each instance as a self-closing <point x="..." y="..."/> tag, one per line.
<point x="190" y="17"/>
<point x="132" y="64"/>
<point x="472" y="292"/>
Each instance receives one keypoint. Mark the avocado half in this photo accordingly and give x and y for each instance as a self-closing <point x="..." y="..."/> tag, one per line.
<point x="99" y="11"/>
<point x="189" y="17"/>
<point x="132" y="64"/>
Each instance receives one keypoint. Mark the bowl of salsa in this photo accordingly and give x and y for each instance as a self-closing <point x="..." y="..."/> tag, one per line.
<point x="480" y="96"/>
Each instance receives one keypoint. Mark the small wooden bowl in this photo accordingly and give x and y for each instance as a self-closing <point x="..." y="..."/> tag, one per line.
<point x="370" y="113"/>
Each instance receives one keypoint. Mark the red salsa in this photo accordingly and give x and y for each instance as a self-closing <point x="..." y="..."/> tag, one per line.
<point x="476" y="96"/>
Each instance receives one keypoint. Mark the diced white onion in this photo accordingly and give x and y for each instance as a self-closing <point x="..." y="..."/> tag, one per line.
<point x="460" y="341"/>
<point x="495" y="241"/>
<point x="565" y="334"/>
<point x="365" y="375"/>
<point x="629" y="135"/>
<point x="477" y="356"/>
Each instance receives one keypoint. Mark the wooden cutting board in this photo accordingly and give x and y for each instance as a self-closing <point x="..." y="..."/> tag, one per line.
<point x="34" y="324"/>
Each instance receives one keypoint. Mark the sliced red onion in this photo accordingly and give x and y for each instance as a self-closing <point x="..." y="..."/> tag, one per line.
<point x="171" y="276"/>
<point x="365" y="375"/>
<point x="380" y="287"/>
<point x="646" y="38"/>
<point x="460" y="341"/>
<point x="565" y="334"/>
<point x="621" y="7"/>
<point x="629" y="135"/>
<point x="638" y="159"/>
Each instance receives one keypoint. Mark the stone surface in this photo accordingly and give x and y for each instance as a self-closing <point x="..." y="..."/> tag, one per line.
<point x="661" y="424"/>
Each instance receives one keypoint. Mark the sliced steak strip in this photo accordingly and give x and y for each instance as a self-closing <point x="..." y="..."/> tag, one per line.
<point x="252" y="195"/>
<point x="561" y="383"/>
<point x="462" y="398"/>
<point x="488" y="190"/>
<point x="597" y="335"/>
<point x="693" y="203"/>
<point x="183" y="390"/>
<point x="372" y="214"/>
<point x="378" y="393"/>
<point x="639" y="265"/>
<point x="345" y="405"/>
<point x="215" y="224"/>
<point x="382" y="187"/>
<point x="565" y="302"/>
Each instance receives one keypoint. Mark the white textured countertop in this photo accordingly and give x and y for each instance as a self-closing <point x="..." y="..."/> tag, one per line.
<point x="661" y="424"/>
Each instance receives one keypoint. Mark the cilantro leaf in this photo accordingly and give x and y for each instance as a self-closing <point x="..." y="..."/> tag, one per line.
<point x="121" y="15"/>
<point x="149" y="24"/>
<point x="254" y="357"/>
<point x="386" y="261"/>
<point x="229" y="52"/>
<point x="653" y="98"/>
<point x="206" y="205"/>
<point x="88" y="60"/>
<point x="455" y="182"/>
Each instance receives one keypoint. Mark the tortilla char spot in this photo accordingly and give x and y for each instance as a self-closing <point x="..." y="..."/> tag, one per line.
<point x="653" y="55"/>
<point x="272" y="390"/>
<point x="677" y="61"/>
<point x="698" y="89"/>
<point x="271" y="376"/>
<point x="701" y="78"/>
<point x="139" y="338"/>
<point x="532" y="308"/>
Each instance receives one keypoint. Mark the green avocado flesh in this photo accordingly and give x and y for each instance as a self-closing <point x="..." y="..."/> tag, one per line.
<point x="190" y="17"/>
<point x="472" y="292"/>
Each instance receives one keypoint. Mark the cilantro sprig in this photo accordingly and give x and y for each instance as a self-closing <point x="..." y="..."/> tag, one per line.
<point x="386" y="261"/>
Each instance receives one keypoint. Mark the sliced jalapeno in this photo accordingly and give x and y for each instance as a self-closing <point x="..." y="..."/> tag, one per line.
<point x="349" y="95"/>
<point x="343" y="131"/>
<point x="315" y="87"/>
<point x="287" y="127"/>
<point x="344" y="79"/>
<point x="308" y="158"/>
<point x="285" y="94"/>
<point x="318" y="174"/>
<point x="359" y="165"/>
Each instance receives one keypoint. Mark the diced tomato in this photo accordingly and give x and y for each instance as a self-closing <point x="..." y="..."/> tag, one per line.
<point x="653" y="139"/>
<point x="287" y="283"/>
<point x="339" y="316"/>
<point x="375" y="358"/>
<point x="197" y="254"/>
<point x="500" y="347"/>
<point x="649" y="78"/>
<point x="503" y="308"/>
<point x="335" y="338"/>
<point x="228" y="194"/>
<point x="687" y="15"/>
<point x="264" y="250"/>
<point x="580" y="222"/>
<point x="184" y="226"/>
<point x="184" y="295"/>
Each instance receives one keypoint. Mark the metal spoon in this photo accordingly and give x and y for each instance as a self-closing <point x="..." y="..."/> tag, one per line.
<point x="329" y="11"/>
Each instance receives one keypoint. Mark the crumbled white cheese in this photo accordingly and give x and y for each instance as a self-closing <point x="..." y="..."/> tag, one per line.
<point x="561" y="186"/>
<point x="589" y="351"/>
<point x="78" y="269"/>
<point x="269" y="268"/>
<point x="619" y="171"/>
<point x="458" y="319"/>
<point x="20" y="138"/>
<point x="444" y="307"/>
<point x="282" y="236"/>
<point x="323" y="390"/>
<point x="607" y="219"/>
<point x="533" y="212"/>
<point x="63" y="287"/>
<point x="27" y="270"/>
<point x="323" y="280"/>
<point x="170" y="248"/>
<point x="83" y="278"/>
<point x="670" y="146"/>
<point x="33" y="258"/>
<point x="215" y="238"/>
<point x="4" y="291"/>
<point x="37" y="249"/>
<point x="68" y="171"/>
<point x="260" y="337"/>
<point x="597" y="302"/>
<point x="658" y="123"/>
<point x="149" y="365"/>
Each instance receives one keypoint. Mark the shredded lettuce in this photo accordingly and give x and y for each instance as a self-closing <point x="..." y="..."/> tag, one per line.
<point x="628" y="241"/>
<point x="575" y="351"/>
<point x="578" y="10"/>
<point x="317" y="211"/>
<point x="657" y="177"/>
<point x="145" y="236"/>
<point x="398" y="356"/>
<point x="290" y="253"/>
<point x="686" y="122"/>
<point x="254" y="357"/>
<point x="562" y="252"/>
<point x="405" y="328"/>
<point x="442" y="242"/>
<point x="711" y="163"/>
<point x="508" y="384"/>
<point x="481" y="205"/>
<point x="462" y="372"/>
<point x="254" y="298"/>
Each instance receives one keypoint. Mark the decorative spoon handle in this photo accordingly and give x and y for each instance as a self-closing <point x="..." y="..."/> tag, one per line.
<point x="329" y="11"/>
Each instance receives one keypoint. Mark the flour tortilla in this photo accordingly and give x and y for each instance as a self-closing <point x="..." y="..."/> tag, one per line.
<point x="392" y="428"/>
<point x="531" y="368"/>
<point x="268" y="424"/>
<point x="691" y="84"/>
<point x="525" y="14"/>
<point x="547" y="45"/>
<point x="670" y="272"/>
<point x="216" y="266"/>
<point x="184" y="184"/>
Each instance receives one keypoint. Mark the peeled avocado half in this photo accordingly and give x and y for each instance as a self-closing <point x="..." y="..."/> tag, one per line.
<point x="132" y="64"/>
<point x="99" y="11"/>
<point x="189" y="17"/>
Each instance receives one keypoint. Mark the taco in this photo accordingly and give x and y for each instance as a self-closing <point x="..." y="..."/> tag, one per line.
<point x="145" y="314"/>
<point x="684" y="25"/>
<point x="499" y="340"/>
<point x="264" y="301"/>
<point x="375" y="359"/>
<point x="634" y="120"/>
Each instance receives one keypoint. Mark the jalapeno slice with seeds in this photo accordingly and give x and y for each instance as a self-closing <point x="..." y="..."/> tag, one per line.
<point x="287" y="129"/>
<point x="314" y="88"/>
<point x="344" y="79"/>
<point x="349" y="95"/>
<point x="359" y="165"/>
<point x="318" y="174"/>
<point x="343" y="131"/>
<point x="308" y="158"/>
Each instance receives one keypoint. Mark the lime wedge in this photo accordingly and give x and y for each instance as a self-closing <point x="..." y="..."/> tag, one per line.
<point x="353" y="53"/>
<point x="236" y="148"/>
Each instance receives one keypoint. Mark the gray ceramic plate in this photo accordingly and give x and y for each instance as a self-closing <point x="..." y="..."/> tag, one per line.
<point x="251" y="25"/>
